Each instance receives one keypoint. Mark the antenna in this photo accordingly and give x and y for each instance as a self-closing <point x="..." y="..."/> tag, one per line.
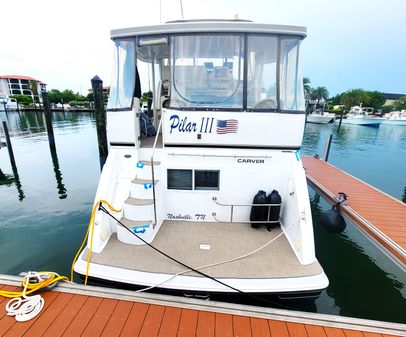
<point x="160" y="11"/>
<point x="181" y="9"/>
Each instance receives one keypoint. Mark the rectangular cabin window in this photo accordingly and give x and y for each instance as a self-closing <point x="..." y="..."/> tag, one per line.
<point x="207" y="71"/>
<point x="290" y="78"/>
<point x="123" y="82"/>
<point x="207" y="180"/>
<point x="261" y="75"/>
<point x="179" y="179"/>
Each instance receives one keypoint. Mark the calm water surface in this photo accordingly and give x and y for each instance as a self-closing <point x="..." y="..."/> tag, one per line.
<point x="44" y="212"/>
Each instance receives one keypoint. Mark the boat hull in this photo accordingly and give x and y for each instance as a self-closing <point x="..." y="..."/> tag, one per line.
<point x="247" y="298"/>
<point x="372" y="122"/>
<point x="319" y="119"/>
<point x="395" y="122"/>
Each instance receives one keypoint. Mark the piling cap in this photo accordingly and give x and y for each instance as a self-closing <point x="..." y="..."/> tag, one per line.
<point x="96" y="79"/>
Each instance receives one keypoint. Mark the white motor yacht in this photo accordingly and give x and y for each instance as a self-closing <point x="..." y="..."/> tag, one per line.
<point x="222" y="136"/>
<point x="362" y="116"/>
<point x="395" y="118"/>
<point x="320" y="117"/>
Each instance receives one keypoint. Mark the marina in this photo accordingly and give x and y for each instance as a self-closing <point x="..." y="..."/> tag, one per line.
<point x="59" y="225"/>
<point x="203" y="190"/>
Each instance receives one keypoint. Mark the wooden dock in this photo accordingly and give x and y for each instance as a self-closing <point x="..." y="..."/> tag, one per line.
<point x="77" y="310"/>
<point x="378" y="214"/>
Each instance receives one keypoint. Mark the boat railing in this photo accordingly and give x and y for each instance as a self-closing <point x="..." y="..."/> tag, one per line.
<point x="232" y="206"/>
<point x="153" y="169"/>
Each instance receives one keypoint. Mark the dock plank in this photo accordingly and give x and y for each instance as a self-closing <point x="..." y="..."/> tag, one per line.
<point x="83" y="317"/>
<point x="333" y="332"/>
<point x="188" y="323"/>
<point x="352" y="333"/>
<point x="135" y="320"/>
<point x="117" y="320"/>
<point x="99" y="320"/>
<point x="170" y="322"/>
<point x="377" y="213"/>
<point x="278" y="328"/>
<point x="260" y="327"/>
<point x="242" y="326"/>
<point x="205" y="324"/>
<point x="316" y="331"/>
<point x="223" y="325"/>
<point x="152" y="321"/>
<point x="296" y="329"/>
<point x="58" y="327"/>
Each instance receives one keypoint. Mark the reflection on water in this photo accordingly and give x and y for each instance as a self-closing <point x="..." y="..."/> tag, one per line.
<point x="50" y="224"/>
<point x="58" y="175"/>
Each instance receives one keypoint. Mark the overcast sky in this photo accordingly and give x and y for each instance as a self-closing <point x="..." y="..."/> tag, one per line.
<point x="350" y="43"/>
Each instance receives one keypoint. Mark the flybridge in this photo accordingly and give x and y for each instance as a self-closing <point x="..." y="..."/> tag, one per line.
<point x="231" y="83"/>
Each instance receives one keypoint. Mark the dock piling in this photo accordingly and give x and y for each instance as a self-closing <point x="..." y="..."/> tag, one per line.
<point x="327" y="148"/>
<point x="97" y="87"/>
<point x="9" y="147"/>
<point x="341" y="119"/>
<point x="48" y="119"/>
<point x="21" y="195"/>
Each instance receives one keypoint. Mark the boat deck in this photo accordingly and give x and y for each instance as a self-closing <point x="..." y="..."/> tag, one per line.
<point x="183" y="239"/>
<point x="77" y="310"/>
<point x="148" y="142"/>
<point x="378" y="214"/>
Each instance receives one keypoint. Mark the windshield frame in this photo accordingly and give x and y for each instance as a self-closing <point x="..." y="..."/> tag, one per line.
<point x="244" y="58"/>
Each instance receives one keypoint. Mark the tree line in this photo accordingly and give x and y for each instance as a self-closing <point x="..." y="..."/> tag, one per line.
<point x="350" y="98"/>
<point x="59" y="97"/>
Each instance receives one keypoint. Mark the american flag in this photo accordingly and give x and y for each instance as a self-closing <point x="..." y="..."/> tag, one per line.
<point x="227" y="126"/>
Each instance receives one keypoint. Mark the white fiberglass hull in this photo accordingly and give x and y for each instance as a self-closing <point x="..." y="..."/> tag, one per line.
<point x="374" y="122"/>
<point x="204" y="234"/>
<point x="319" y="119"/>
<point x="394" y="122"/>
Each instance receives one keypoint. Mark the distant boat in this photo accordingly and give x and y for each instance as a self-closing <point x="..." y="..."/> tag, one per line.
<point x="9" y="103"/>
<point x="320" y="117"/>
<point x="362" y="116"/>
<point x="395" y="118"/>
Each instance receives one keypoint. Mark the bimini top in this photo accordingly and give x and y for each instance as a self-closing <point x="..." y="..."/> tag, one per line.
<point x="207" y="26"/>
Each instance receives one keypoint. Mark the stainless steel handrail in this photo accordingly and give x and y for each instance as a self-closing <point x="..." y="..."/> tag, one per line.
<point x="153" y="170"/>
<point x="240" y="205"/>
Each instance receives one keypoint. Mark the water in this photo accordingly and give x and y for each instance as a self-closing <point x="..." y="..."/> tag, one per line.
<point x="43" y="215"/>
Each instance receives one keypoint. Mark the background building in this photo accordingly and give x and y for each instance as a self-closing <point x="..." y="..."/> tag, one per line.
<point x="11" y="85"/>
<point x="390" y="98"/>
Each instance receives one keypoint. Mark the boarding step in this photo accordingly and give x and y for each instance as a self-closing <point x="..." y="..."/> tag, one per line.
<point x="144" y="170"/>
<point x="142" y="188"/>
<point x="144" y="229"/>
<point x="138" y="209"/>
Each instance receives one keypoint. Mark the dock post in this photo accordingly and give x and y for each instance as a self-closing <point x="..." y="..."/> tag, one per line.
<point x="21" y="195"/>
<point x="9" y="147"/>
<point x="5" y="107"/>
<point x="327" y="148"/>
<point x="97" y="87"/>
<point x="48" y="119"/>
<point x="341" y="119"/>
